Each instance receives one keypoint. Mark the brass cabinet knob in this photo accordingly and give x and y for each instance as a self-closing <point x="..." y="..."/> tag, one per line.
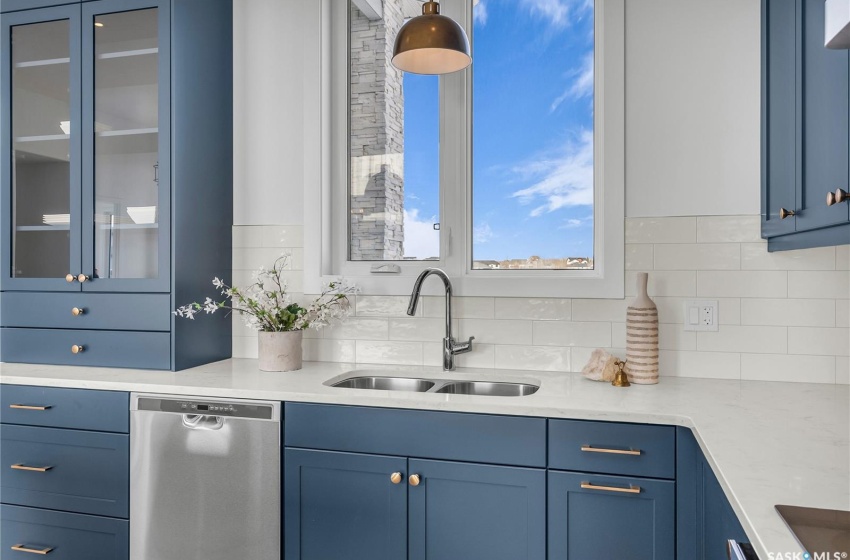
<point x="414" y="480"/>
<point x="77" y="349"/>
<point x="77" y="311"/>
<point x="395" y="477"/>
<point x="783" y="213"/>
<point x="841" y="195"/>
<point x="830" y="199"/>
<point x="70" y="278"/>
<point x="82" y="278"/>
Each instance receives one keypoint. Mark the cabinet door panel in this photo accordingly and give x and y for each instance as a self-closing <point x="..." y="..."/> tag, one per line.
<point x="40" y="146"/>
<point x="824" y="75"/>
<point x="597" y="523"/>
<point x="126" y="152"/>
<point x="344" y="505"/>
<point x="780" y="143"/>
<point x="477" y="512"/>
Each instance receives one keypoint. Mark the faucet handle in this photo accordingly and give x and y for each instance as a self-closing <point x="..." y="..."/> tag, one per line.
<point x="463" y="347"/>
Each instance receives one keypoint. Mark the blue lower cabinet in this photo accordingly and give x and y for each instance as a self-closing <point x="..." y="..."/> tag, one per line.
<point x="27" y="533"/>
<point x="476" y="512"/>
<point x="69" y="470"/>
<point x="706" y="520"/>
<point x="593" y="517"/>
<point x="344" y="505"/>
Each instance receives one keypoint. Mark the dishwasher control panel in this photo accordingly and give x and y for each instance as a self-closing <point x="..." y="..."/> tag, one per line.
<point x="207" y="408"/>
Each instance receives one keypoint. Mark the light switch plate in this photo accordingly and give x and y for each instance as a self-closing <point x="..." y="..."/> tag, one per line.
<point x="701" y="315"/>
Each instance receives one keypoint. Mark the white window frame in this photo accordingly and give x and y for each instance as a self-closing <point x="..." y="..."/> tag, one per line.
<point x="326" y="206"/>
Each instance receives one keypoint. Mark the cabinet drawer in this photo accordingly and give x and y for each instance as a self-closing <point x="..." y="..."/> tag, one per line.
<point x="69" y="536"/>
<point x="609" y="447"/>
<point x="54" y="407"/>
<point x="130" y="349"/>
<point x="476" y="438"/>
<point x="136" y="312"/>
<point x="69" y="470"/>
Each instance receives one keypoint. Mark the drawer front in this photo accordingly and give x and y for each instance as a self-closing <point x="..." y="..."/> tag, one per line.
<point x="68" y="470"/>
<point x="477" y="438"/>
<point x="129" y="349"/>
<point x="54" y="407"/>
<point x="67" y="536"/>
<point x="609" y="447"/>
<point x="126" y="312"/>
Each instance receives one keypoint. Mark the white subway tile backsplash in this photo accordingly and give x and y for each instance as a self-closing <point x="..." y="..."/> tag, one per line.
<point x="711" y="365"/>
<point x="572" y="334"/>
<point x="538" y="358"/>
<point x="391" y="352"/>
<point x="819" y="341"/>
<point x="533" y="309"/>
<point x="704" y="256"/>
<point x="800" y="369"/>
<point x="754" y="256"/>
<point x="462" y="307"/>
<point x="734" y="284"/>
<point x="732" y="338"/>
<point x="827" y="285"/>
<point x="661" y="230"/>
<point x="495" y="332"/>
<point x="788" y="312"/>
<point x="783" y="316"/>
<point x="728" y="229"/>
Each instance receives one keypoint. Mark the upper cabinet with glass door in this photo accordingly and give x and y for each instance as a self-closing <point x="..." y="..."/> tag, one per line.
<point x="125" y="157"/>
<point x="41" y="135"/>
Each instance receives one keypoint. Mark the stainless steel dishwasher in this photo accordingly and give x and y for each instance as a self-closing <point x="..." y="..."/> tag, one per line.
<point x="204" y="478"/>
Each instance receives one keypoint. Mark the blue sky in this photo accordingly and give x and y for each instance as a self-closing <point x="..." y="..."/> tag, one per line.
<point x="532" y="134"/>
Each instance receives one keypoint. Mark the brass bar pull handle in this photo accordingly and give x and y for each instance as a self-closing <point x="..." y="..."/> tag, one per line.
<point x="23" y="467"/>
<point x="30" y="407"/>
<point x="590" y="449"/>
<point x="630" y="490"/>
<point x="31" y="549"/>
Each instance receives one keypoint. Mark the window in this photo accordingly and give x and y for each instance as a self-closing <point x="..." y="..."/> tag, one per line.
<point x="509" y="175"/>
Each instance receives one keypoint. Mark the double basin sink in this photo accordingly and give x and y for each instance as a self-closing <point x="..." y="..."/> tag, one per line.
<point x="444" y="386"/>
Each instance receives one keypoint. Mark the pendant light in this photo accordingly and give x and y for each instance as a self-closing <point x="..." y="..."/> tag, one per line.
<point x="431" y="44"/>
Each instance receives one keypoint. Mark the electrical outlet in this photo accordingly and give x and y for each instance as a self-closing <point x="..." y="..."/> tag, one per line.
<point x="701" y="315"/>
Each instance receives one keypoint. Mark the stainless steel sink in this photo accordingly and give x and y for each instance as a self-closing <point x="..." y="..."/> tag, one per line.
<point x="386" y="383"/>
<point x="444" y="386"/>
<point x="488" y="389"/>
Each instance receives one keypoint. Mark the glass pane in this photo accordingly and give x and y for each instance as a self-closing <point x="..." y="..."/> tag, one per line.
<point x="41" y="128"/>
<point x="126" y="145"/>
<point x="394" y="123"/>
<point x="533" y="135"/>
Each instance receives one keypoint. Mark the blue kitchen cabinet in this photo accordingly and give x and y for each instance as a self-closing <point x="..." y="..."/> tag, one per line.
<point x="805" y="129"/>
<point x="706" y="520"/>
<point x="603" y="516"/>
<point x="115" y="122"/>
<point x="344" y="505"/>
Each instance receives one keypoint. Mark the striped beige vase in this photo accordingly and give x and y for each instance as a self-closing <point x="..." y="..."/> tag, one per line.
<point x="642" y="337"/>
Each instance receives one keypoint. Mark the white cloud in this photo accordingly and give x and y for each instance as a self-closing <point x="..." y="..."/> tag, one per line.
<point x="479" y="12"/>
<point x="558" y="12"/>
<point x="574" y="223"/>
<point x="562" y="180"/>
<point x="582" y="84"/>
<point x="482" y="233"/>
<point x="421" y="240"/>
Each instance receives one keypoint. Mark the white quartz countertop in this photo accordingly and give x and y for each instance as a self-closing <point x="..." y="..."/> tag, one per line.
<point x="768" y="443"/>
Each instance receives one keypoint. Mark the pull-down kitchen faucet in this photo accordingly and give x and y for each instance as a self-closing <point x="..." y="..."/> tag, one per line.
<point x="450" y="348"/>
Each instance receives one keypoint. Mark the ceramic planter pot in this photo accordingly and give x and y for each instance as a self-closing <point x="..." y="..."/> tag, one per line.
<point x="280" y="351"/>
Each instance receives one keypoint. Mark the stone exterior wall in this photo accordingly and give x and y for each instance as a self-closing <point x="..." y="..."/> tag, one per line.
<point x="377" y="137"/>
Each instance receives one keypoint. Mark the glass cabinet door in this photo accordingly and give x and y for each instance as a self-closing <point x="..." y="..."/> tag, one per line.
<point x="125" y="164"/>
<point x="42" y="146"/>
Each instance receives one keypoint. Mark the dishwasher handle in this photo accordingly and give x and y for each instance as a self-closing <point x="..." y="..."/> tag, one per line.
<point x="203" y="422"/>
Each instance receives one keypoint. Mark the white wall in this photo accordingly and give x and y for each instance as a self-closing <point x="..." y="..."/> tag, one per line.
<point x="692" y="106"/>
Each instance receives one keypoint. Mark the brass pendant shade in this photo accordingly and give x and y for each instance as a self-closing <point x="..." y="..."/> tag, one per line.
<point x="431" y="44"/>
